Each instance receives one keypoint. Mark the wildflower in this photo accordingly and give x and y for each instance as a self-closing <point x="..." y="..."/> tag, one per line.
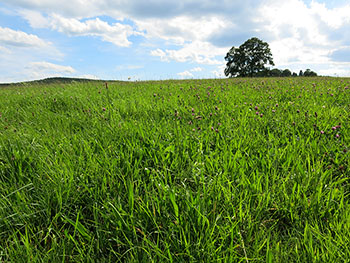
<point x="322" y="132"/>
<point x="212" y="128"/>
<point x="298" y="111"/>
<point x="256" y="108"/>
<point x="261" y="115"/>
<point x="273" y="111"/>
<point x="337" y="135"/>
<point x="104" y="109"/>
<point x="276" y="105"/>
<point x="257" y="113"/>
<point x="192" y="109"/>
<point x="334" y="128"/>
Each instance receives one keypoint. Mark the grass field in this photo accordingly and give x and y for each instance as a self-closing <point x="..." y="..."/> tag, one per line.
<point x="232" y="170"/>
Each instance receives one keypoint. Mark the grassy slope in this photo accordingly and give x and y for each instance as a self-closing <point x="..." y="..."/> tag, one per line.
<point x="132" y="173"/>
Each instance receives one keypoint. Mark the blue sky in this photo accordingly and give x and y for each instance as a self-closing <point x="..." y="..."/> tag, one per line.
<point x="155" y="39"/>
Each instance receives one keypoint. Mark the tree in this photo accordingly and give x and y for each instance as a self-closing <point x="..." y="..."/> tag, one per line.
<point x="286" y="73"/>
<point x="276" y="72"/>
<point x="301" y="73"/>
<point x="249" y="59"/>
<point x="310" y="73"/>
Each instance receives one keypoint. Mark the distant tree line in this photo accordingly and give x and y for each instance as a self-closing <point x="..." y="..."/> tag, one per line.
<point x="284" y="73"/>
<point x="250" y="58"/>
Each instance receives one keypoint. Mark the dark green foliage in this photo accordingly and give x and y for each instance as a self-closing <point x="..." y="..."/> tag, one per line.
<point x="249" y="59"/>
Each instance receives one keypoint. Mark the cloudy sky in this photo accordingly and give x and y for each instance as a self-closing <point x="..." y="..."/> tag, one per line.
<point x="157" y="39"/>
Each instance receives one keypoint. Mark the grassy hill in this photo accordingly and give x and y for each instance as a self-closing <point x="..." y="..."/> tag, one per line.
<point x="231" y="170"/>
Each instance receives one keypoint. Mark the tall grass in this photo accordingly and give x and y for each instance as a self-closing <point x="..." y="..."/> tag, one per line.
<point x="238" y="170"/>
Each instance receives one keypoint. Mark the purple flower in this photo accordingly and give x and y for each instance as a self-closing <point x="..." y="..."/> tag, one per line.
<point x="322" y="132"/>
<point x="337" y="135"/>
<point x="104" y="109"/>
<point x="334" y="128"/>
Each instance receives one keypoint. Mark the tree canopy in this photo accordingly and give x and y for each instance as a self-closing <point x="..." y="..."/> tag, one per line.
<point x="249" y="59"/>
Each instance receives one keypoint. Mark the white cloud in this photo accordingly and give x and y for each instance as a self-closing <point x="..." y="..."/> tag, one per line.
<point x="116" y="33"/>
<point x="10" y="37"/>
<point x="196" y="51"/>
<point x="35" y="18"/>
<point x="336" y="70"/>
<point x="50" y="67"/>
<point x="181" y="29"/>
<point x="185" y="74"/>
<point x="159" y="53"/>
<point x="197" y="69"/>
<point x="300" y="34"/>
<point x="219" y="71"/>
<point x="5" y="50"/>
<point x="334" y="18"/>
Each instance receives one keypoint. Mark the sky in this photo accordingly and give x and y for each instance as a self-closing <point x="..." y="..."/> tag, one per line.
<point x="157" y="39"/>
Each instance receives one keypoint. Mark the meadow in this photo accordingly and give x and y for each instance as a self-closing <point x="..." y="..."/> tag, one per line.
<point x="227" y="170"/>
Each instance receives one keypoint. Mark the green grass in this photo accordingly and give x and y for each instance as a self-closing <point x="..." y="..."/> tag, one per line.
<point x="176" y="171"/>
